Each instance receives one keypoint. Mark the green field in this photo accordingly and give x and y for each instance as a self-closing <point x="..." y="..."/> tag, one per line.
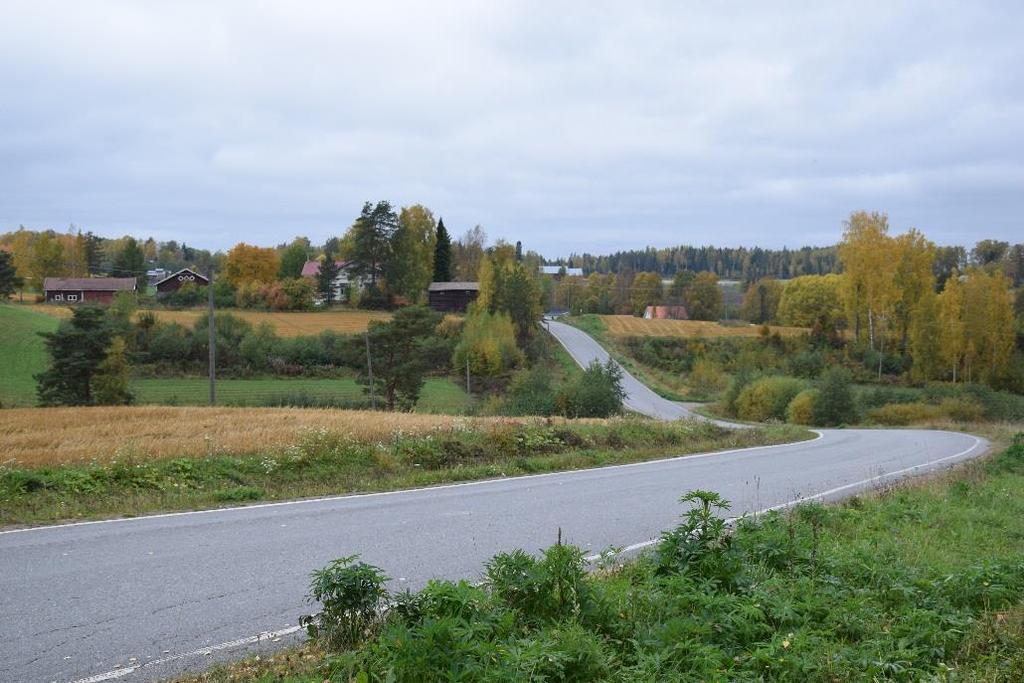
<point x="21" y="353"/>
<point x="439" y="395"/>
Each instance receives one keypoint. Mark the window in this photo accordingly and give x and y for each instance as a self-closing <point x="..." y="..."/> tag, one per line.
<point x="58" y="297"/>
<point x="72" y="297"/>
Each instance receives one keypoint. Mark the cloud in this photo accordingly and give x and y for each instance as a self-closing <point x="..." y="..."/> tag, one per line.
<point x="581" y="126"/>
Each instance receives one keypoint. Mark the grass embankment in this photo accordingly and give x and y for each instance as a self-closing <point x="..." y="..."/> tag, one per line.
<point x="22" y="354"/>
<point x="921" y="583"/>
<point x="285" y="323"/>
<point x="92" y="462"/>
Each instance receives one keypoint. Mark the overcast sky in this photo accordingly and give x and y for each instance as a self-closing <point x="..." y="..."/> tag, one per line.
<point x="570" y="126"/>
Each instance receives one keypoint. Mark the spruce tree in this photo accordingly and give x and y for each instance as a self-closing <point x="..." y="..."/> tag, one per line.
<point x="443" y="254"/>
<point x="76" y="349"/>
<point x="325" y="277"/>
<point x="9" y="280"/>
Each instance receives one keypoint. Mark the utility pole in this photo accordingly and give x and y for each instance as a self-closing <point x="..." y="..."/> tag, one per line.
<point x="212" y="342"/>
<point x="467" y="374"/>
<point x="369" y="370"/>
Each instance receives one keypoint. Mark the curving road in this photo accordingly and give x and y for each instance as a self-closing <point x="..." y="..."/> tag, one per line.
<point x="146" y="598"/>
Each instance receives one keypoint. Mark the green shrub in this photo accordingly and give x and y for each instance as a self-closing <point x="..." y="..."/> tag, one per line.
<point x="488" y="344"/>
<point x="530" y="393"/>
<point x="743" y="377"/>
<point x="353" y="597"/>
<point x="801" y="409"/>
<point x="707" y="378"/>
<point x="767" y="398"/>
<point x="962" y="409"/>
<point x="835" y="404"/>
<point x="901" y="414"/>
<point x="596" y="392"/>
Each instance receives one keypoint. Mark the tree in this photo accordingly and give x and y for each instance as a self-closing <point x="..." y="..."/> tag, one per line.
<point x="811" y="300"/>
<point x="412" y="261"/>
<point x="647" y="291"/>
<point x="487" y="344"/>
<point x="988" y="325"/>
<point x="130" y="261"/>
<point x="952" y="342"/>
<point x="595" y="392"/>
<point x="680" y="281"/>
<point x="371" y="240"/>
<point x="761" y="301"/>
<point x="989" y="252"/>
<point x="246" y="264"/>
<point x="293" y="258"/>
<point x="109" y="384"/>
<point x="442" y="254"/>
<point x="402" y="350"/>
<point x="9" y="279"/>
<point x="835" y="404"/>
<point x="914" y="279"/>
<point x="93" y="252"/>
<point x="47" y="259"/>
<point x="704" y="297"/>
<point x="325" y="277"/>
<point x="76" y="348"/>
<point x="469" y="254"/>
<point x="507" y="286"/>
<point x="869" y="267"/>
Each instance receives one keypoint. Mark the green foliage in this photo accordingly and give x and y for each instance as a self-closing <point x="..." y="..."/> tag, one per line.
<point x="700" y="547"/>
<point x="353" y="596"/>
<point x="703" y="297"/>
<point x="902" y="414"/>
<point x="10" y="281"/>
<point x="402" y="351"/>
<point x="488" y="344"/>
<point x="371" y="240"/>
<point x="767" y="398"/>
<point x="442" y="254"/>
<point x="76" y="349"/>
<point x="801" y="410"/>
<point x="109" y="384"/>
<point x="411" y="265"/>
<point x="293" y="258"/>
<point x="596" y="392"/>
<point x="530" y="393"/>
<point x="835" y="404"/>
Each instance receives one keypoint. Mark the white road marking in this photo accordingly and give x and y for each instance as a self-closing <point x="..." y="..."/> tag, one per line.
<point x="119" y="673"/>
<point x="440" y="487"/>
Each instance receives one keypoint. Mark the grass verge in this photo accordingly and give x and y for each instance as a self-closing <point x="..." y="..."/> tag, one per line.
<point x="320" y="461"/>
<point x="922" y="582"/>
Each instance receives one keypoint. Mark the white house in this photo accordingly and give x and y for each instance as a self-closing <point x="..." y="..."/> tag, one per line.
<point x="342" y="281"/>
<point x="556" y="270"/>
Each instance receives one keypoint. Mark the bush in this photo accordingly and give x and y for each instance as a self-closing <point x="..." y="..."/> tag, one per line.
<point x="706" y="378"/>
<point x="596" y="392"/>
<point x="353" y="597"/>
<point x="962" y="410"/>
<point x="808" y="363"/>
<point x="835" y="404"/>
<point x="901" y="414"/>
<point x="488" y="344"/>
<point x="801" y="409"/>
<point x="767" y="398"/>
<point x="530" y="393"/>
<point x="736" y="386"/>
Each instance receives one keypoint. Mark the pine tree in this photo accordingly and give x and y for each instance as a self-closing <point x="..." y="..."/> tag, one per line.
<point x="325" y="277"/>
<point x="9" y="280"/>
<point x="442" y="254"/>
<point x="371" y="240"/>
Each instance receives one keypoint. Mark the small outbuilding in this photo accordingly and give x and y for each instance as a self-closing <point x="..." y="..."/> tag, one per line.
<point x="559" y="271"/>
<point x="452" y="297"/>
<point x="76" y="290"/>
<point x="666" y="313"/>
<point x="175" y="281"/>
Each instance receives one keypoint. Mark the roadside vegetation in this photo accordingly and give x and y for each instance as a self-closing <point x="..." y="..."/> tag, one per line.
<point x="922" y="582"/>
<point x="79" y="463"/>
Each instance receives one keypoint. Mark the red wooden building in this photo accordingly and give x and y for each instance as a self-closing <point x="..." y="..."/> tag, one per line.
<point x="76" y="290"/>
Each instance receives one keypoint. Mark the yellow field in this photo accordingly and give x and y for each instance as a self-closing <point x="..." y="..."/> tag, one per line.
<point x="287" y="324"/>
<point x="629" y="326"/>
<point x="35" y="437"/>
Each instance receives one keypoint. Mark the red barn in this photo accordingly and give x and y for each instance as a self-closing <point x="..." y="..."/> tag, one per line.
<point x="76" y="290"/>
<point x="175" y="281"/>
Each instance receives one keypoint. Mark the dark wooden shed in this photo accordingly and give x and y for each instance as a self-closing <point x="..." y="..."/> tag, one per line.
<point x="452" y="297"/>
<point x="175" y="281"/>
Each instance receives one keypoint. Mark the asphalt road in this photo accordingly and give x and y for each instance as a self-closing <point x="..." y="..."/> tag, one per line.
<point x="146" y="598"/>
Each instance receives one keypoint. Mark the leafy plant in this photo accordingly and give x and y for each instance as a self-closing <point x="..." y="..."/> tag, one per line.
<point x="353" y="596"/>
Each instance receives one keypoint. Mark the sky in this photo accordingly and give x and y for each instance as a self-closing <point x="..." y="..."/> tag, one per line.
<point x="572" y="126"/>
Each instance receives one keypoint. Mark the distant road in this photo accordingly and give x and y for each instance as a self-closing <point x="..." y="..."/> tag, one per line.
<point x="146" y="598"/>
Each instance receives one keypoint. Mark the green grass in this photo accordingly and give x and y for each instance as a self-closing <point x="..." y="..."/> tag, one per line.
<point x="439" y="395"/>
<point x="22" y="354"/>
<point x="922" y="583"/>
<point x="322" y="462"/>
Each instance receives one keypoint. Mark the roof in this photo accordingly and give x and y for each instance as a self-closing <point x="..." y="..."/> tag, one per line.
<point x="312" y="268"/>
<point x="666" y="313"/>
<point x="183" y="270"/>
<point x="555" y="270"/>
<point x="454" y="287"/>
<point x="89" y="284"/>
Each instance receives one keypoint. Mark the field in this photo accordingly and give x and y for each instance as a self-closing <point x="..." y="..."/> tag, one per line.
<point x="52" y="436"/>
<point x="629" y="326"/>
<point x="21" y="354"/>
<point x="438" y="395"/>
<point x="286" y="324"/>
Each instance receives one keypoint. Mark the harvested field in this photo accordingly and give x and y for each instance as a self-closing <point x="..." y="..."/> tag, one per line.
<point x="286" y="324"/>
<point x="36" y="437"/>
<point x="630" y="326"/>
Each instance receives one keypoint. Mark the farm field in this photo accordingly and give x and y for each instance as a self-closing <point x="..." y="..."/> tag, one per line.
<point x="286" y="324"/>
<point x="630" y="326"/>
<point x="21" y="353"/>
<point x="439" y="395"/>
